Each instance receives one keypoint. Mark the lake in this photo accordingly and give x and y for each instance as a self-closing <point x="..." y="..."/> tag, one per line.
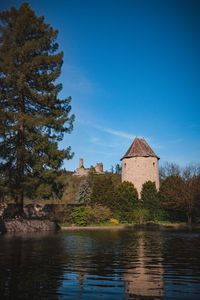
<point x="101" y="264"/>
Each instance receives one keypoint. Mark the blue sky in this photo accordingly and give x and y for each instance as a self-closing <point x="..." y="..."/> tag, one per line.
<point x="132" y="69"/>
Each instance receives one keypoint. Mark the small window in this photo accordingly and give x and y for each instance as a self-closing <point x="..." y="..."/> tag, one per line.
<point x="124" y="165"/>
<point x="154" y="164"/>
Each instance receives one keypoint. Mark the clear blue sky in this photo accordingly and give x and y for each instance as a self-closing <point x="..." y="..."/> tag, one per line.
<point x="132" y="69"/>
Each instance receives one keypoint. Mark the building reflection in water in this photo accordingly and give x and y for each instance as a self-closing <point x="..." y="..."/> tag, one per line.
<point x="128" y="260"/>
<point x="144" y="274"/>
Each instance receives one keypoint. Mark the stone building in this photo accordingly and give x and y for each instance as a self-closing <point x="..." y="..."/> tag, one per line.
<point x="82" y="171"/>
<point x="140" y="164"/>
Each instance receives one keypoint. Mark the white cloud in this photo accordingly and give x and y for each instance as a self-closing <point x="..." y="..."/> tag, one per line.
<point x="109" y="130"/>
<point x="118" y="133"/>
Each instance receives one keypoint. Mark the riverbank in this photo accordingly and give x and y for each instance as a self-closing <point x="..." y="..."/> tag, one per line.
<point x="157" y="226"/>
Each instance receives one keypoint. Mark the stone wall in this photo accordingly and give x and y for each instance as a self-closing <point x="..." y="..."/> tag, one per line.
<point x="138" y="170"/>
<point x="24" y="225"/>
<point x="37" y="218"/>
<point x="81" y="171"/>
<point x="99" y="168"/>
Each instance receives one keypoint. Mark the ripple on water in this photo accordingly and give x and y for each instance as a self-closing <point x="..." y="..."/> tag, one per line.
<point x="101" y="264"/>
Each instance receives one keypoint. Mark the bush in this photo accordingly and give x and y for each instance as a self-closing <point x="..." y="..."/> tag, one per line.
<point x="82" y="215"/>
<point x="86" y="215"/>
<point x="114" y="221"/>
<point x="100" y="213"/>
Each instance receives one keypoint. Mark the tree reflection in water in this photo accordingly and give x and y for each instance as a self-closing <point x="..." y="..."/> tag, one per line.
<point x="30" y="266"/>
<point x="100" y="264"/>
<point x="117" y="262"/>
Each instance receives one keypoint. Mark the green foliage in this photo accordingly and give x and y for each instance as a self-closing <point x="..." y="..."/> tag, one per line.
<point x="82" y="215"/>
<point x="163" y="216"/>
<point x="103" y="192"/>
<point x="150" y="199"/>
<point x="140" y="215"/>
<point x="48" y="184"/>
<point x="32" y="117"/>
<point x="127" y="199"/>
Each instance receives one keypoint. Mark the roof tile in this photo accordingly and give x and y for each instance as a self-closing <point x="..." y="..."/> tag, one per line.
<point x="139" y="148"/>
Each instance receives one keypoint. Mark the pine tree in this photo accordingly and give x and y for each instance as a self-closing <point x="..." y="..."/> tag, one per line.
<point x="32" y="117"/>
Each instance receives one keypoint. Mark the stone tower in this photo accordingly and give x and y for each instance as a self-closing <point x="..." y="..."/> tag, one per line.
<point x="140" y="164"/>
<point x="99" y="168"/>
<point x="81" y="163"/>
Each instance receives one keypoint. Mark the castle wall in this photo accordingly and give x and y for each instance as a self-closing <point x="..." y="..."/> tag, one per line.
<point x="138" y="170"/>
<point x="82" y="172"/>
<point x="99" y="168"/>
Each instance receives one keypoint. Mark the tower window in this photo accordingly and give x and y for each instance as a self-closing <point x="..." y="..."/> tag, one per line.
<point x="154" y="164"/>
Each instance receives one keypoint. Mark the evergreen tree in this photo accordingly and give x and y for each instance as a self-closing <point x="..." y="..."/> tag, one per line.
<point x="149" y="196"/>
<point x="32" y="117"/>
<point x="103" y="192"/>
<point x="127" y="198"/>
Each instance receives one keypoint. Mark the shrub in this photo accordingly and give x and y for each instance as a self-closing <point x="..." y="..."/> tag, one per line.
<point x="114" y="221"/>
<point x="100" y="213"/>
<point x="82" y="215"/>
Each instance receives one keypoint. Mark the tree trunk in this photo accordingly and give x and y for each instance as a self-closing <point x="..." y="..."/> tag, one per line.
<point x="20" y="159"/>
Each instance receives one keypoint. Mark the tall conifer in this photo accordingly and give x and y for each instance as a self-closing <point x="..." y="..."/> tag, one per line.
<point x="32" y="117"/>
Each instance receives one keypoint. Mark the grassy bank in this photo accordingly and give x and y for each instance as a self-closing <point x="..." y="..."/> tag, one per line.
<point x="159" y="225"/>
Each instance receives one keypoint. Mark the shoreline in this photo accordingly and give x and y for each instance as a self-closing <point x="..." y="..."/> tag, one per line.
<point x="133" y="226"/>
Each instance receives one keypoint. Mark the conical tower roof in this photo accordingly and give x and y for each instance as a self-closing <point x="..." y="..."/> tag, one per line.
<point x="139" y="148"/>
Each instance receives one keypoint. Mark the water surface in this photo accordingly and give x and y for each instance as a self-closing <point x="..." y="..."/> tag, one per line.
<point x="100" y="264"/>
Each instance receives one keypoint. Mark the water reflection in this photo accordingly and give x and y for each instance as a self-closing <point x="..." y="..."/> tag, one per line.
<point x="100" y="264"/>
<point x="31" y="267"/>
<point x="144" y="274"/>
